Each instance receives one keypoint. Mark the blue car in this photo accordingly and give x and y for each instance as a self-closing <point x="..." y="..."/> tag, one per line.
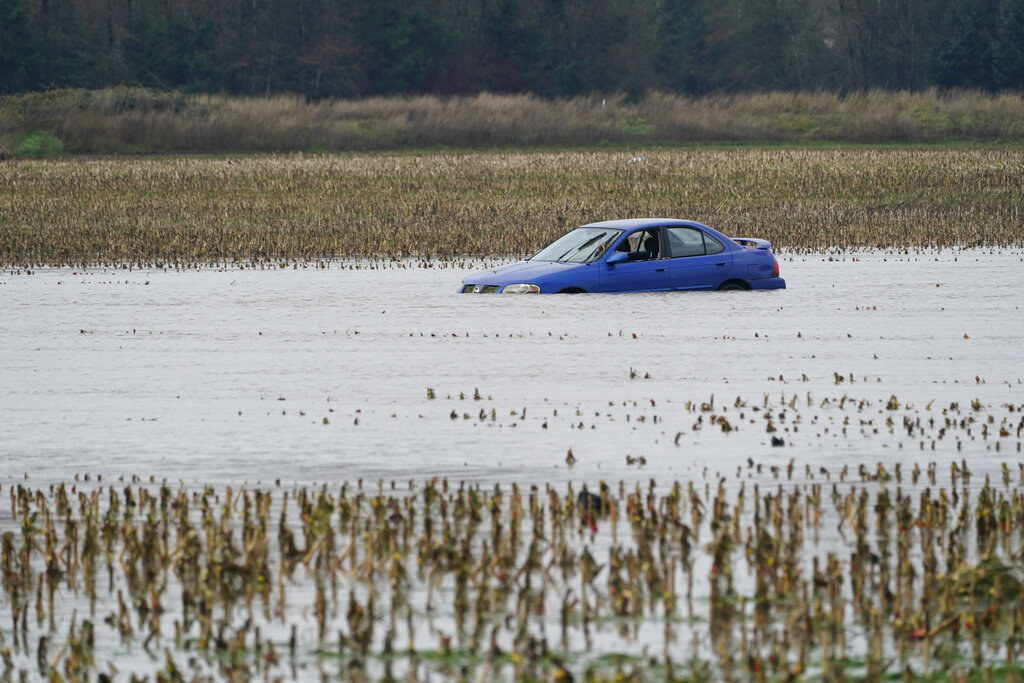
<point x="636" y="255"/>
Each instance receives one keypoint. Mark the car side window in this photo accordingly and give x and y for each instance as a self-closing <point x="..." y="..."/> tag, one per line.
<point x="641" y="245"/>
<point x="712" y="245"/>
<point x="686" y="242"/>
<point x="692" y="242"/>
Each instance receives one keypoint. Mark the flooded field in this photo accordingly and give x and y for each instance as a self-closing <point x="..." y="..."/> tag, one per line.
<point x="311" y="376"/>
<point x="894" y="373"/>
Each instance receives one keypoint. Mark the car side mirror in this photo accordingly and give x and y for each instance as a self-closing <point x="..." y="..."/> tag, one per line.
<point x="617" y="257"/>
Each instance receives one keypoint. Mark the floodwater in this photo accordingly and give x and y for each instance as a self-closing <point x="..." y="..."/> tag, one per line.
<point x="309" y="376"/>
<point x="227" y="376"/>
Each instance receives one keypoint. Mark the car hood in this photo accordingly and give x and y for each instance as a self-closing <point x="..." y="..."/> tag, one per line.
<point x="523" y="271"/>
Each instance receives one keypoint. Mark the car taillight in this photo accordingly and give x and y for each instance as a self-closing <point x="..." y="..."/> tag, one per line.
<point x="775" y="269"/>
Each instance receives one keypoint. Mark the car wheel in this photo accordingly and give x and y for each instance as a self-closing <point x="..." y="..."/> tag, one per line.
<point x="732" y="287"/>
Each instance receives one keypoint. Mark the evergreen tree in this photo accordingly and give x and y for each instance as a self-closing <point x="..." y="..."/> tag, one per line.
<point x="962" y="57"/>
<point x="756" y="51"/>
<point x="680" y="47"/>
<point x="20" y="57"/>
<point x="528" y="48"/>
<point x="67" y="60"/>
<point x="172" y="53"/>
<point x="1008" y="46"/>
<point x="555" y="48"/>
<point x="402" y="46"/>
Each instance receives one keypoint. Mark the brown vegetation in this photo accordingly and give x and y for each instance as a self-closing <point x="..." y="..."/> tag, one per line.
<point x="184" y="211"/>
<point x="758" y="576"/>
<point x="136" y="120"/>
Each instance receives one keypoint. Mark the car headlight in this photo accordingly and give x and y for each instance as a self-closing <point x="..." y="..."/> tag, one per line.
<point x="521" y="289"/>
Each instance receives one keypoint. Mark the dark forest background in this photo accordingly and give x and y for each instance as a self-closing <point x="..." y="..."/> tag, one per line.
<point x="553" y="48"/>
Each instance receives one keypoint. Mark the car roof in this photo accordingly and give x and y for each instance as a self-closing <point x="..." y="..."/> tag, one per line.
<point x="631" y="223"/>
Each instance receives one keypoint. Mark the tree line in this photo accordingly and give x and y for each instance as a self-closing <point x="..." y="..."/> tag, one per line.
<point x="554" y="48"/>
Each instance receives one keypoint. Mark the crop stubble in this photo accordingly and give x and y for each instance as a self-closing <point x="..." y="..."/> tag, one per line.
<point x="525" y="580"/>
<point x="181" y="211"/>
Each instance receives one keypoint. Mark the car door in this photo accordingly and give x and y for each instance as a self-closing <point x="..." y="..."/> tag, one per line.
<point x="644" y="270"/>
<point x="696" y="259"/>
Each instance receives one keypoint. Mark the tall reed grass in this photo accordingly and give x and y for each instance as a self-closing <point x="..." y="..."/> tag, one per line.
<point x="186" y="210"/>
<point x="126" y="120"/>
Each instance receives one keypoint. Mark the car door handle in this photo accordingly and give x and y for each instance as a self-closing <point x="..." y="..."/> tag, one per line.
<point x="659" y="270"/>
<point x="720" y="264"/>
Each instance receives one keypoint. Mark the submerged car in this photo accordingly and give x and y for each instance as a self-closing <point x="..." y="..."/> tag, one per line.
<point x="637" y="255"/>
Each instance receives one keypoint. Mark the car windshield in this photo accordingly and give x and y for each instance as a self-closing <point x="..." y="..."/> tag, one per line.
<point x="582" y="245"/>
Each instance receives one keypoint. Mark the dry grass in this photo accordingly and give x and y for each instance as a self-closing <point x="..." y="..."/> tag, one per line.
<point x="180" y="211"/>
<point x="125" y="120"/>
